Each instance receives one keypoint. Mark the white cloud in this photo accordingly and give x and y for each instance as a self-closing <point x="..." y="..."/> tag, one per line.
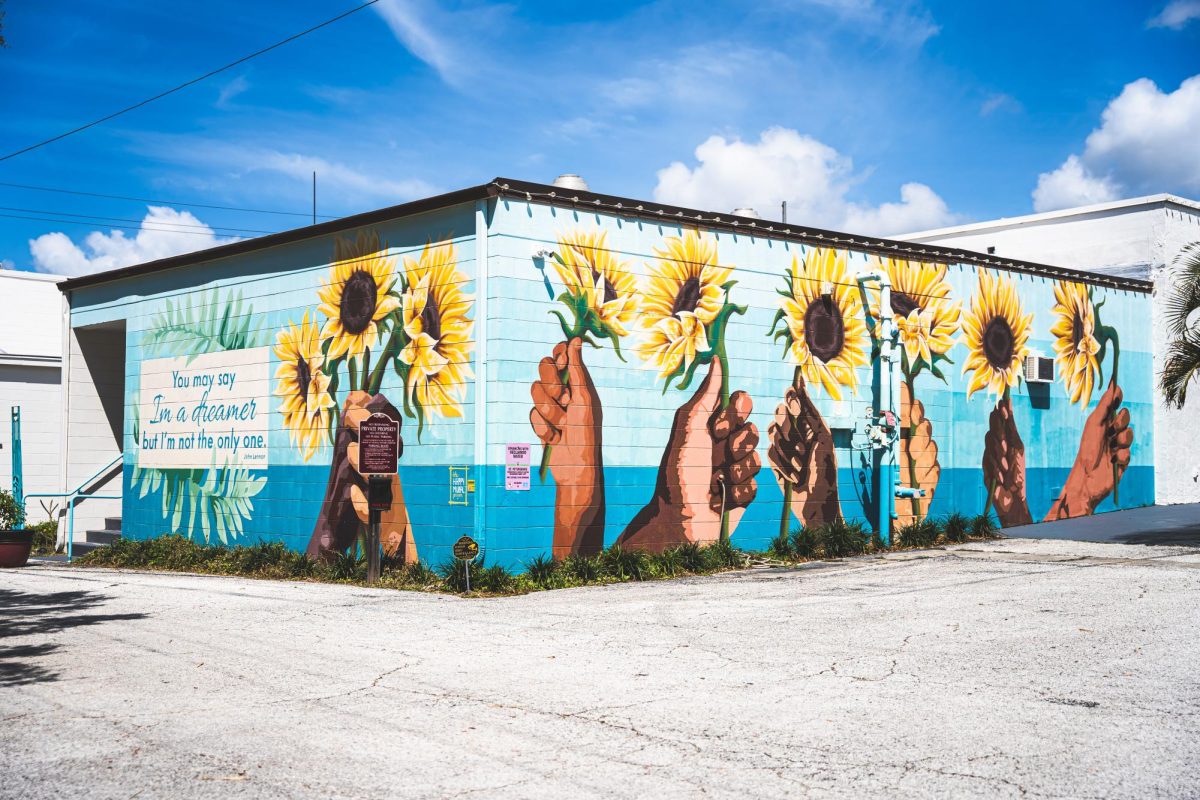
<point x="162" y="234"/>
<point x="1072" y="184"/>
<point x="1175" y="15"/>
<point x="7" y="264"/>
<point x="1147" y="143"/>
<point x="998" y="102"/>
<point x="409" y="23"/>
<point x="231" y="90"/>
<point x="811" y="176"/>
<point x="337" y="176"/>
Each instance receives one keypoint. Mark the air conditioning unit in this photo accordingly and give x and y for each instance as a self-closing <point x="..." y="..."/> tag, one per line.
<point x="1039" y="369"/>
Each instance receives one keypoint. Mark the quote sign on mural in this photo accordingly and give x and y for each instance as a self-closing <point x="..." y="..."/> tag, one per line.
<point x="211" y="409"/>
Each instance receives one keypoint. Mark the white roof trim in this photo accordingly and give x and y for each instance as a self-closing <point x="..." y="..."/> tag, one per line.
<point x="1046" y="216"/>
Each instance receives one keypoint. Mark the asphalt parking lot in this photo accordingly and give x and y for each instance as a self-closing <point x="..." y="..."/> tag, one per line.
<point x="1018" y="668"/>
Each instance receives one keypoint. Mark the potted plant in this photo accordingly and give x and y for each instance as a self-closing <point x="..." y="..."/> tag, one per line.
<point x="14" y="544"/>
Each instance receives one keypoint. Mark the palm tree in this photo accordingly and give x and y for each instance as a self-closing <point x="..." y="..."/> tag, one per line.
<point x="1183" y="353"/>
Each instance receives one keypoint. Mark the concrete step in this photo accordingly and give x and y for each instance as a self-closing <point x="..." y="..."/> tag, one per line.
<point x="82" y="548"/>
<point x="103" y="537"/>
<point x="112" y="523"/>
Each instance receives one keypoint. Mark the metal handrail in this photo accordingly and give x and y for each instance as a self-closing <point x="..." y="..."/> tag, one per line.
<point x="76" y="495"/>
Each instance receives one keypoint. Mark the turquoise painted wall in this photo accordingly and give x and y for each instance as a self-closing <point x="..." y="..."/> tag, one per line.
<point x="662" y="469"/>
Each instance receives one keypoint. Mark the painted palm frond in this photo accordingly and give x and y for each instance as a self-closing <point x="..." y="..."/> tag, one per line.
<point x="213" y="501"/>
<point x="201" y="323"/>
<point x="1184" y="299"/>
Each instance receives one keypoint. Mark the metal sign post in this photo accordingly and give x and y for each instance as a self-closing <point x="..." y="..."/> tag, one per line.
<point x="465" y="550"/>
<point x="378" y="454"/>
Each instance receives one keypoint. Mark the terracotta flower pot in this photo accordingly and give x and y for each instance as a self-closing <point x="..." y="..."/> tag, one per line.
<point x="15" y="547"/>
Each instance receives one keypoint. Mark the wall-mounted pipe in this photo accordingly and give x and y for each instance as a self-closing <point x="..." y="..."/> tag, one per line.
<point x="886" y="417"/>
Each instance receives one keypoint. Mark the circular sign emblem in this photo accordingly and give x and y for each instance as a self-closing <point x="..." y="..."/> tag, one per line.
<point x="466" y="548"/>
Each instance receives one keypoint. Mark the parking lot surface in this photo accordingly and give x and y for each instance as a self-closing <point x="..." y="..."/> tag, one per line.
<point x="1018" y="668"/>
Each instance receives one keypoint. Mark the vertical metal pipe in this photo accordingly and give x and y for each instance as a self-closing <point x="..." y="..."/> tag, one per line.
<point x="887" y="391"/>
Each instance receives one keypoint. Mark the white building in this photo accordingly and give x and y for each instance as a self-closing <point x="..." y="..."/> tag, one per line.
<point x="1137" y="238"/>
<point x="31" y="335"/>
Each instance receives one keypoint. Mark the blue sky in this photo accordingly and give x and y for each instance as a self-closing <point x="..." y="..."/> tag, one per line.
<point x="865" y="114"/>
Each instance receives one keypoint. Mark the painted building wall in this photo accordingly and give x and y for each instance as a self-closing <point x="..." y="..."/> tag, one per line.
<point x="237" y="372"/>
<point x="1139" y="238"/>
<point x="677" y="383"/>
<point x="643" y="401"/>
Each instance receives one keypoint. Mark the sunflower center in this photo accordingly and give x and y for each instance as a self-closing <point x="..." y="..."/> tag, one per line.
<point x="1076" y="330"/>
<point x="358" y="302"/>
<point x="688" y="298"/>
<point x="610" y="292"/>
<point x="303" y="379"/>
<point x="998" y="343"/>
<point x="431" y="320"/>
<point x="824" y="329"/>
<point x="903" y="304"/>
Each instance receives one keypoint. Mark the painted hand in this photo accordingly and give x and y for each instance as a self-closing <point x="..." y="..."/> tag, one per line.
<point x="1102" y="459"/>
<point x="344" y="510"/>
<point x="803" y="458"/>
<point x="919" y="467"/>
<point x="567" y="417"/>
<point x="1004" y="466"/>
<point x="709" y="465"/>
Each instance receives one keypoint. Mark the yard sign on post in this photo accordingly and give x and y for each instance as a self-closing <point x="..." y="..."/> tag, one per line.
<point x="378" y="454"/>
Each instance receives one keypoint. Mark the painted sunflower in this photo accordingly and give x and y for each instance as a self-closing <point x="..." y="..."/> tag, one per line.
<point x="684" y="293"/>
<point x="996" y="334"/>
<point x="1075" y="343"/>
<point x="925" y="315"/>
<point x="438" y="327"/>
<point x="303" y="386"/>
<point x="357" y="294"/>
<point x="826" y="333"/>
<point x="590" y="269"/>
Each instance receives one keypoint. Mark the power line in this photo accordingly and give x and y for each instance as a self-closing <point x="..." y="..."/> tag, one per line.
<point x="158" y="202"/>
<point x="193" y="81"/>
<point x="93" y="224"/>
<point x="102" y="219"/>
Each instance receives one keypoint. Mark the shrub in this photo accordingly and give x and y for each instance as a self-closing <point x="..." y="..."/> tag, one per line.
<point x="805" y="542"/>
<point x="493" y="579"/>
<point x="982" y="527"/>
<point x="956" y="527"/>
<point x="693" y="558"/>
<point x="45" y="537"/>
<point x="419" y="573"/>
<point x="920" y="533"/>
<point x="11" y="512"/>
<point x="721" y="555"/>
<point x="781" y="548"/>
<point x="580" y="568"/>
<point x="454" y="575"/>
<point x="347" y="567"/>
<point x="668" y="563"/>
<point x="840" y="538"/>
<point x="541" y="570"/>
<point x="622" y="564"/>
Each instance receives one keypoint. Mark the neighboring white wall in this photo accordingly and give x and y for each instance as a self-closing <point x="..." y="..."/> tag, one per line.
<point x="30" y="377"/>
<point x="1136" y="238"/>
<point x="95" y="417"/>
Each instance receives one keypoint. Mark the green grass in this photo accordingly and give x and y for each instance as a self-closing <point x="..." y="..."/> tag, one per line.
<point x="920" y="533"/>
<point x="616" y="564"/>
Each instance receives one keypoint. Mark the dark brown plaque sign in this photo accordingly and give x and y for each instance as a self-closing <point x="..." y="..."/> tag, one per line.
<point x="378" y="445"/>
<point x="466" y="548"/>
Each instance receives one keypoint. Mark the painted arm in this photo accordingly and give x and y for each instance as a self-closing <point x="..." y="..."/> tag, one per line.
<point x="567" y="417"/>
<point x="709" y="464"/>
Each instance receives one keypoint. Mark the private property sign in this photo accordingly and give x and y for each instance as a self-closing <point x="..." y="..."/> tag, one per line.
<point x="205" y="411"/>
<point x="378" y="445"/>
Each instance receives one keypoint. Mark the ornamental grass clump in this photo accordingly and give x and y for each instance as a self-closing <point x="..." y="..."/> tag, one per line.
<point x="841" y="538"/>
<point x="956" y="527"/>
<point x="542" y="570"/>
<point x="919" y="533"/>
<point x="580" y="569"/>
<point x="622" y="564"/>
<point x="693" y="558"/>
<point x="982" y="527"/>
<point x="805" y="543"/>
<point x="781" y="548"/>
<point x="668" y="563"/>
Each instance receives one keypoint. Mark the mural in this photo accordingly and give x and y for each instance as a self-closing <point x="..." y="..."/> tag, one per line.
<point x="666" y="365"/>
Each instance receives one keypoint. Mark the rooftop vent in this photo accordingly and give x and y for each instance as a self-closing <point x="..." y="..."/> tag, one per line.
<point x="746" y="211"/>
<point x="569" y="180"/>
